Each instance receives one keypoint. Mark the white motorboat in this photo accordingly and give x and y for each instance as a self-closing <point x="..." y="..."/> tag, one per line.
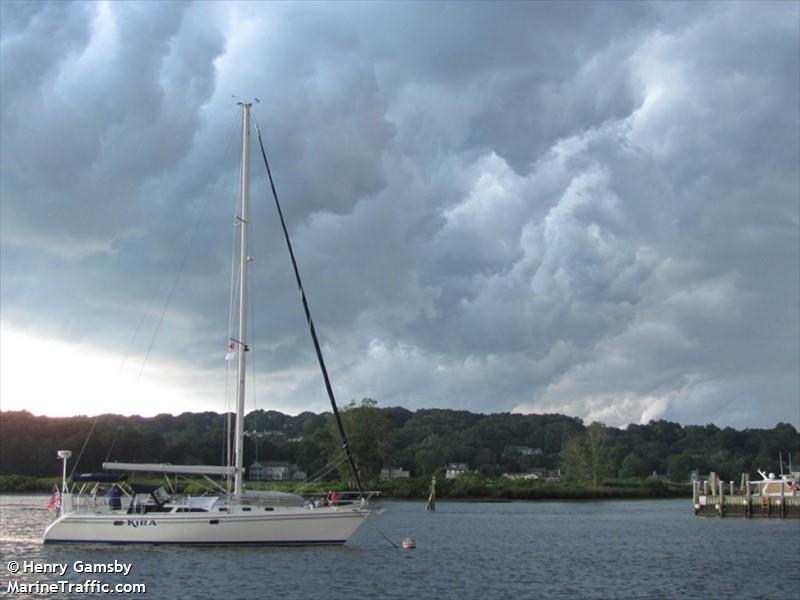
<point x="770" y="485"/>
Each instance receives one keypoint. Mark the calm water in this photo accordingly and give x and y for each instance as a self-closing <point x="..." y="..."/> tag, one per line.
<point x="620" y="549"/>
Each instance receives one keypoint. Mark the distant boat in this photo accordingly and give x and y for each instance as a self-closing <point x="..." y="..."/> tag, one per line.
<point x="149" y="514"/>
<point x="770" y="485"/>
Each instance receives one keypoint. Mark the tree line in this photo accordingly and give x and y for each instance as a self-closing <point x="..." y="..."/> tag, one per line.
<point x="420" y="441"/>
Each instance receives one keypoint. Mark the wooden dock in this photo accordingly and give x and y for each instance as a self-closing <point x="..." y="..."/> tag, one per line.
<point x="720" y="499"/>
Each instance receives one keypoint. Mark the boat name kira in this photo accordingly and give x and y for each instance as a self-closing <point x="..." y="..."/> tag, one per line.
<point x="142" y="523"/>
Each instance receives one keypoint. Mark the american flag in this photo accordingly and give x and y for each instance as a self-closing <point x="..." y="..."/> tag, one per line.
<point x="55" y="500"/>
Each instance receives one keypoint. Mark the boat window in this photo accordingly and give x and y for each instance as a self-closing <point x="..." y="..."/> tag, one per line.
<point x="119" y="522"/>
<point x="223" y="510"/>
<point x="214" y="522"/>
<point x="268" y="508"/>
<point x="246" y="509"/>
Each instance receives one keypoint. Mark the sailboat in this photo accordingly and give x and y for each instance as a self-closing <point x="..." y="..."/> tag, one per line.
<point x="149" y="514"/>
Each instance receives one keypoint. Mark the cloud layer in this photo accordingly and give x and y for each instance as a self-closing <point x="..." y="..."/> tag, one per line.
<point x="589" y="209"/>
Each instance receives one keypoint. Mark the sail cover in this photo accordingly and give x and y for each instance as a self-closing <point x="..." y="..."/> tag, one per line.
<point x="167" y="468"/>
<point x="100" y="477"/>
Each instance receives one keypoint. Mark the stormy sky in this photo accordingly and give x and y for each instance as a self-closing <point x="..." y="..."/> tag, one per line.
<point x="583" y="208"/>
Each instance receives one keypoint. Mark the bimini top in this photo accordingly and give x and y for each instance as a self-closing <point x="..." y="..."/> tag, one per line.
<point x="100" y="477"/>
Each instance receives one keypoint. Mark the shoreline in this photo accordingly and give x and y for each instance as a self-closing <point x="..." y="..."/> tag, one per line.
<point x="487" y="490"/>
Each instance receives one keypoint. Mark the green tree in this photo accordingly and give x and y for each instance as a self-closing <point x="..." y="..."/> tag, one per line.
<point x="429" y="457"/>
<point x="486" y="461"/>
<point x="679" y="467"/>
<point x="634" y="465"/>
<point x="368" y="432"/>
<point x="587" y="456"/>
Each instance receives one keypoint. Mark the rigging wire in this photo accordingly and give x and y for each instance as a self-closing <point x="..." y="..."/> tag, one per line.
<point x="113" y="441"/>
<point x="253" y="379"/>
<point x="251" y="355"/>
<point x="322" y="473"/>
<point x="140" y="324"/>
<point x="227" y="446"/>
<point x="312" y="329"/>
<point x="383" y="535"/>
<point x="85" y="443"/>
<point x="315" y="477"/>
<point x="184" y="260"/>
<point x="226" y="151"/>
<point x="181" y="267"/>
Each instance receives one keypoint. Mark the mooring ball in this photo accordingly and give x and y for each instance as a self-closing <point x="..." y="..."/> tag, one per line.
<point x="697" y="506"/>
<point x="409" y="543"/>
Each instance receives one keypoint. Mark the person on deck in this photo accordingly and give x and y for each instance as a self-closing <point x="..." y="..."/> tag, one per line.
<point x="114" y="494"/>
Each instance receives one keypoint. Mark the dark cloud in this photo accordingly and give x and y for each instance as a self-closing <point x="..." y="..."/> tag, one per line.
<point x="584" y="208"/>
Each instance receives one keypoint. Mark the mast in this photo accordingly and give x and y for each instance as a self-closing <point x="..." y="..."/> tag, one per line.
<point x="244" y="260"/>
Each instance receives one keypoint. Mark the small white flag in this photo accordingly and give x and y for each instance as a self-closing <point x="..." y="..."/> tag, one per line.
<point x="230" y="356"/>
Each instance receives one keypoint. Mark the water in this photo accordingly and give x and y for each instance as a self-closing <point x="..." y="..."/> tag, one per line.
<point x="612" y="549"/>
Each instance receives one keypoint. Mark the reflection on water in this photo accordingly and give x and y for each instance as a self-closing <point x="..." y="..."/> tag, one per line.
<point x="625" y="549"/>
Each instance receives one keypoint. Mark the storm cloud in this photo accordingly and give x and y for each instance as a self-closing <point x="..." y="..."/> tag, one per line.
<point x="585" y="208"/>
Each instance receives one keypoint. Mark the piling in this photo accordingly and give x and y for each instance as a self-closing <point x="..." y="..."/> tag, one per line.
<point x="748" y="509"/>
<point x="431" y="504"/>
<point x="783" y="501"/>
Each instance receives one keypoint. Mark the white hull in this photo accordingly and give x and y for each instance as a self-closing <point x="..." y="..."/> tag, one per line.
<point x="281" y="526"/>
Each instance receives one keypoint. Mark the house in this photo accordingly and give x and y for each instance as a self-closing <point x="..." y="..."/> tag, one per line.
<point x="453" y="470"/>
<point x="525" y="450"/>
<point x="544" y="474"/>
<point x="553" y="475"/>
<point x="537" y="472"/>
<point x="275" y="470"/>
<point x="394" y="473"/>
<point x="273" y="433"/>
<point x="523" y="476"/>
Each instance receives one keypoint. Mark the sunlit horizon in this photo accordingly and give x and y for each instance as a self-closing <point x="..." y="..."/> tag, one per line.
<point x="88" y="381"/>
<point x="55" y="378"/>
